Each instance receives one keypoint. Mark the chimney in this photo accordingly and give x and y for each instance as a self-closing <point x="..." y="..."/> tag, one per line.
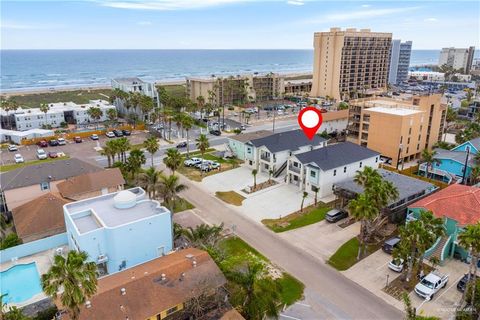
<point x="123" y="291"/>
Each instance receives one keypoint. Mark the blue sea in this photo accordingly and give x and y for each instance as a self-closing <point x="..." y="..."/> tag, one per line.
<point x="35" y="69"/>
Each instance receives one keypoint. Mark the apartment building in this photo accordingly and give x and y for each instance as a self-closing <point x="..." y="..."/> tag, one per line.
<point x="236" y="89"/>
<point x="297" y="87"/>
<point x="399" y="61"/>
<point x="399" y="129"/>
<point x="135" y="84"/>
<point x="350" y="63"/>
<point x="457" y="58"/>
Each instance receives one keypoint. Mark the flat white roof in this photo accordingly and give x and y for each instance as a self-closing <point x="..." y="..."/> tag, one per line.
<point x="25" y="133"/>
<point x="394" y="111"/>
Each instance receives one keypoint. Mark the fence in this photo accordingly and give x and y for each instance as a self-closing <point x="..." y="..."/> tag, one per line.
<point x="33" y="247"/>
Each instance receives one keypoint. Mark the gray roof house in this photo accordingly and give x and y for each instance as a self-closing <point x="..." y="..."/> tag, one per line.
<point x="317" y="170"/>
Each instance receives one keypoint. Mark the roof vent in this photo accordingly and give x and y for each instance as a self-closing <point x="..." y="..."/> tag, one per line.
<point x="164" y="277"/>
<point x="123" y="291"/>
<point x="194" y="263"/>
<point x="88" y="304"/>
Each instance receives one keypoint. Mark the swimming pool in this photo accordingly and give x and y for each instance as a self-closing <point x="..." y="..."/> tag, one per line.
<point x="20" y="282"/>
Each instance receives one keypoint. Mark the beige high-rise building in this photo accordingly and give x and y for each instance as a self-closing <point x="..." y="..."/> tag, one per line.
<point x="350" y="63"/>
<point x="399" y="129"/>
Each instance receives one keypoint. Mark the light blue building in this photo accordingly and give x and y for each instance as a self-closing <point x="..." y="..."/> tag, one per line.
<point x="119" y="230"/>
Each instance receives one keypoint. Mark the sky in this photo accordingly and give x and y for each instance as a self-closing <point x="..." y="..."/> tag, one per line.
<point x="229" y="24"/>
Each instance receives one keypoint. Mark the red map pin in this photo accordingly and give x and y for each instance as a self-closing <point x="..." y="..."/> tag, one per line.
<point x="310" y="119"/>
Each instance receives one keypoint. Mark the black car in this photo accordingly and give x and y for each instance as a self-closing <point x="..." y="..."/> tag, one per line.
<point x="462" y="284"/>
<point x="182" y="145"/>
<point x="118" y="133"/>
<point x="53" y="143"/>
<point x="126" y="132"/>
<point x="215" y="132"/>
<point x="335" y="215"/>
<point x="390" y="244"/>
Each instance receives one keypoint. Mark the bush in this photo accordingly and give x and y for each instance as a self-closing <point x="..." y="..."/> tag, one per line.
<point x="231" y="108"/>
<point x="342" y="105"/>
<point x="46" y="314"/>
<point x="10" y="240"/>
<point x="63" y="124"/>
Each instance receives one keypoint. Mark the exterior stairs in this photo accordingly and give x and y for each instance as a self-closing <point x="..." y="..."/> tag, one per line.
<point x="437" y="253"/>
<point x="279" y="171"/>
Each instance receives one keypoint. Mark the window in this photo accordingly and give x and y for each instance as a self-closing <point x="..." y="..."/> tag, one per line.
<point x="45" y="186"/>
<point x="361" y="164"/>
<point x="376" y="159"/>
<point x="296" y="164"/>
<point x="334" y="172"/>
<point x="419" y="137"/>
<point x="313" y="174"/>
<point x="344" y="169"/>
<point x="172" y="310"/>
<point x="410" y="130"/>
<point x="408" y="141"/>
<point x="401" y="139"/>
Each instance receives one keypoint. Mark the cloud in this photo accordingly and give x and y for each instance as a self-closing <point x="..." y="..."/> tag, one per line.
<point x="13" y="25"/>
<point x="431" y="20"/>
<point x="144" y="23"/>
<point x="359" y="15"/>
<point x="165" y="5"/>
<point x="296" y="2"/>
<point x="366" y="5"/>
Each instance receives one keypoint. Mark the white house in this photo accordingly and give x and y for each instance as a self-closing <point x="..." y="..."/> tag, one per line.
<point x="271" y="152"/>
<point x="134" y="84"/>
<point x="321" y="168"/>
<point x="14" y="136"/>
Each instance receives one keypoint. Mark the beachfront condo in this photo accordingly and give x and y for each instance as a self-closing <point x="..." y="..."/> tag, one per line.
<point x="457" y="58"/>
<point x="399" y="61"/>
<point x="133" y="85"/>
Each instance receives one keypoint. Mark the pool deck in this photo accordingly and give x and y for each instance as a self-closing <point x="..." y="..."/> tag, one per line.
<point x="43" y="261"/>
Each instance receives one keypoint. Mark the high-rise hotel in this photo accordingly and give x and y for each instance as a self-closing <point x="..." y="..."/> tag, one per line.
<point x="350" y="63"/>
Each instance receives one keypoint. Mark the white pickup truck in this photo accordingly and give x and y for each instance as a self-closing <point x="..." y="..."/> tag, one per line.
<point x="431" y="284"/>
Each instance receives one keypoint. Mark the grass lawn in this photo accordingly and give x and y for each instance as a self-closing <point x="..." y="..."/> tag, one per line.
<point x="78" y="96"/>
<point x="230" y="197"/>
<point x="176" y="90"/>
<point x="181" y="205"/>
<point x="296" y="220"/>
<point x="291" y="288"/>
<point x="14" y="166"/>
<point x="198" y="153"/>
<point x="346" y="255"/>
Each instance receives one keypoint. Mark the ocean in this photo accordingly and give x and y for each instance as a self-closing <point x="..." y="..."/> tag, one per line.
<point x="38" y="69"/>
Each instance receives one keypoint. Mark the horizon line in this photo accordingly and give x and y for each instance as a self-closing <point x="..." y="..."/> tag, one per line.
<point x="185" y="49"/>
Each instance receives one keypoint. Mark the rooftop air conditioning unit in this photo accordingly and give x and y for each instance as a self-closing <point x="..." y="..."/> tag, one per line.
<point x="102" y="258"/>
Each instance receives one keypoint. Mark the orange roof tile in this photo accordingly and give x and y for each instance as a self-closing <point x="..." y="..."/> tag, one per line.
<point x="89" y="182"/>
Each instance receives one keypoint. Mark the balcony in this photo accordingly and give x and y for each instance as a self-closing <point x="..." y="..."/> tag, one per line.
<point x="265" y="157"/>
<point x="294" y="169"/>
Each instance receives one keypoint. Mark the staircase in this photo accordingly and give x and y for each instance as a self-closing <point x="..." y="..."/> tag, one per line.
<point x="279" y="171"/>
<point x="437" y="253"/>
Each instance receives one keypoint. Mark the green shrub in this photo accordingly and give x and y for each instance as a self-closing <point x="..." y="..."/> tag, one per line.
<point x="10" y="240"/>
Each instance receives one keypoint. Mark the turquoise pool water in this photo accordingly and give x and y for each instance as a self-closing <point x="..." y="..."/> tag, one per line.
<point x="20" y="282"/>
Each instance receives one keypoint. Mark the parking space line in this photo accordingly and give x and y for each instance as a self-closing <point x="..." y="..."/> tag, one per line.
<point x="383" y="265"/>
<point x="303" y="304"/>
<point x="289" y="317"/>
<point x="444" y="291"/>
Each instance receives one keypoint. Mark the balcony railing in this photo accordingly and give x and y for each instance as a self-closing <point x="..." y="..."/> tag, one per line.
<point x="265" y="157"/>
<point x="294" y="169"/>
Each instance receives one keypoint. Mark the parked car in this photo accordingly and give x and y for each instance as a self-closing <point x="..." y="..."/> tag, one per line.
<point x="192" y="161"/>
<point x="182" y="144"/>
<point x="52" y="154"/>
<point x="462" y="284"/>
<point x="42" y="143"/>
<point x="126" y="132"/>
<point x="243" y="127"/>
<point x="77" y="139"/>
<point x="335" y="215"/>
<point x="431" y="284"/>
<point x="204" y="167"/>
<point x="53" y="143"/>
<point x="18" y="158"/>
<point x="118" y="133"/>
<point x="110" y="134"/>
<point x="61" y="142"/>
<point x="12" y="147"/>
<point x="215" y="132"/>
<point x="390" y="244"/>
<point x="94" y="136"/>
<point x="41" y="154"/>
<point x="396" y="265"/>
<point x="214" y="165"/>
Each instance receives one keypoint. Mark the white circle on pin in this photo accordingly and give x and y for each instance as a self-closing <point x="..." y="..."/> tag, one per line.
<point x="310" y="119"/>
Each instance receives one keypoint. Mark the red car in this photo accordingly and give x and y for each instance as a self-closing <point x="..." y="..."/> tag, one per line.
<point x="77" y="139"/>
<point x="52" y="154"/>
<point x="42" y="144"/>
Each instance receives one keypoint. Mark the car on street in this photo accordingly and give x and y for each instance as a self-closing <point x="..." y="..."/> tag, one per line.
<point x="12" y="147"/>
<point x="61" y="142"/>
<point x="53" y="154"/>
<point x="243" y="127"/>
<point x="110" y="134"/>
<point x="462" y="284"/>
<point x="53" y="142"/>
<point x="335" y="215"/>
<point x="18" y="158"/>
<point x="215" y="132"/>
<point x="42" y="144"/>
<point x="118" y="133"/>
<point x="41" y="154"/>
<point x="192" y="162"/>
<point x="126" y="132"/>
<point x="431" y="284"/>
<point x="77" y="139"/>
<point x="94" y="136"/>
<point x="396" y="265"/>
<point x="390" y="244"/>
<point x="182" y="144"/>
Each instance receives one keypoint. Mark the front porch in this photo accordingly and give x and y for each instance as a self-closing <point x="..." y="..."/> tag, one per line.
<point x="437" y="174"/>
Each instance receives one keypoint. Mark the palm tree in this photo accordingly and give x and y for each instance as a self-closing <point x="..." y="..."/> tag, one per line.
<point x="202" y="145"/>
<point x="366" y="177"/>
<point x="77" y="278"/>
<point x="168" y="188"/>
<point x="112" y="115"/>
<point x="428" y="157"/>
<point x="187" y="124"/>
<point x="270" y="174"/>
<point x="9" y="105"/>
<point x="152" y="146"/>
<point x="149" y="180"/>
<point x="304" y="196"/>
<point x="201" y="104"/>
<point x="475" y="175"/>
<point x="203" y="236"/>
<point x="146" y="106"/>
<point x="173" y="160"/>
<point x="44" y="108"/>
<point x="254" y="174"/>
<point x="109" y="152"/>
<point x="135" y="161"/>
<point x="362" y="208"/>
<point x="470" y="239"/>
<point x="315" y="190"/>
<point x="123" y="145"/>
<point x="95" y="113"/>
<point x="178" y="119"/>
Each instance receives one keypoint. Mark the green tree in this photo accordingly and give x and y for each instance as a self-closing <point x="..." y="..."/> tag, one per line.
<point x="75" y="276"/>
<point x="44" y="108"/>
<point x="470" y="239"/>
<point x="109" y="152"/>
<point x="173" y="159"/>
<point x="270" y="174"/>
<point x="9" y="105"/>
<point x="135" y="161"/>
<point x="152" y="146"/>
<point x="149" y="180"/>
<point x="254" y="174"/>
<point x="187" y="123"/>
<point x="362" y="208"/>
<point x="11" y="240"/>
<point x="304" y="196"/>
<point x="112" y="115"/>
<point x="315" y="191"/>
<point x="411" y="312"/>
<point x="202" y="144"/>
<point x="475" y="174"/>
<point x="95" y="113"/>
<point x="203" y="236"/>
<point x="146" y="106"/>
<point x="168" y="188"/>
<point x="343" y="106"/>
<point x="429" y="157"/>
<point x="122" y="146"/>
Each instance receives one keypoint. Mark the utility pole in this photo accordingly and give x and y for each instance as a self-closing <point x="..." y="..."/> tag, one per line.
<point x="465" y="167"/>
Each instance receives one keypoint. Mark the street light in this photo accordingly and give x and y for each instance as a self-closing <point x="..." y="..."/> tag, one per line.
<point x="465" y="166"/>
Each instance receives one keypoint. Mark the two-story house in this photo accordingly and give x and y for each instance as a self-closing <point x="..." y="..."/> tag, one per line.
<point x="271" y="152"/>
<point x="321" y="168"/>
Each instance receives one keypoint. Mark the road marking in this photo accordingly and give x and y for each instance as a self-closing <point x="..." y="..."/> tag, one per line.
<point x="303" y="304"/>
<point x="383" y="265"/>
<point x="438" y="297"/>
<point x="289" y="317"/>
